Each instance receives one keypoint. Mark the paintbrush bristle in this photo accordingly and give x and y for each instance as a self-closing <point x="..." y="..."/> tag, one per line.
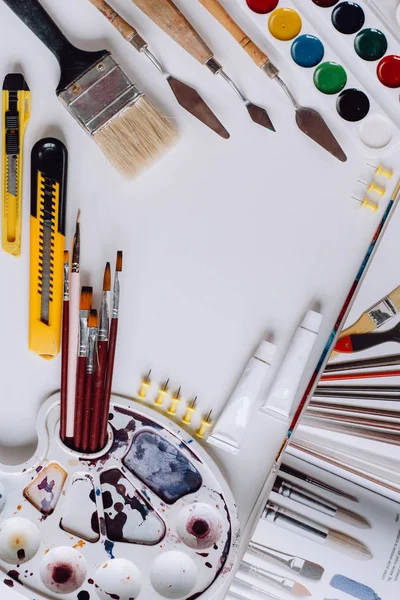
<point x="78" y="216"/>
<point x="86" y="298"/>
<point x="118" y="265"/>
<point x="136" y="137"/>
<point x="348" y="545"/>
<point x="107" y="278"/>
<point x="92" y="321"/>
<point x="66" y="256"/>
<point x="299" y="590"/>
<point x="347" y="516"/>
<point x="312" y="570"/>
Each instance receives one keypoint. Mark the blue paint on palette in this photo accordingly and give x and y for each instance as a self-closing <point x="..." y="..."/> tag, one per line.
<point x="353" y="588"/>
<point x="109" y="548"/>
<point x="307" y="51"/>
<point x="162" y="467"/>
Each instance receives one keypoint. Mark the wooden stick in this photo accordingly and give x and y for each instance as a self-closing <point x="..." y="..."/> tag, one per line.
<point x="127" y="31"/>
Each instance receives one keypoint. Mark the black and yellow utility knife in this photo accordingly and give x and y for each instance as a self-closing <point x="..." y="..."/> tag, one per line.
<point x="16" y="113"/>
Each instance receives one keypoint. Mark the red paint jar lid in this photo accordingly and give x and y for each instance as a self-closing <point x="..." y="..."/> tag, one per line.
<point x="388" y="71"/>
<point x="262" y="7"/>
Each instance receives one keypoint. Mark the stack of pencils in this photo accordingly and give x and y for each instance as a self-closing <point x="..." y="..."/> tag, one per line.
<point x="88" y="354"/>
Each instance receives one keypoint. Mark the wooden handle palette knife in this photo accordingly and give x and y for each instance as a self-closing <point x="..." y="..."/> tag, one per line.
<point x="169" y="18"/>
<point x="308" y="120"/>
<point x="186" y="96"/>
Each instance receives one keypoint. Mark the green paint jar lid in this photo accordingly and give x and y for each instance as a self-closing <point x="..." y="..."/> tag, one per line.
<point x="330" y="78"/>
<point x="370" y="44"/>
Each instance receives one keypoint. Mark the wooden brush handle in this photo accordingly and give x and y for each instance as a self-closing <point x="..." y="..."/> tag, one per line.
<point x="79" y="399"/>
<point x="87" y="409"/>
<point x="223" y="17"/>
<point x="64" y="371"/>
<point x="98" y="396"/>
<point x="108" y="381"/>
<point x="127" y="31"/>
<point x="167" y="16"/>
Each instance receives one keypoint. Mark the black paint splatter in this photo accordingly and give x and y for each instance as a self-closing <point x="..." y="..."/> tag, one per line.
<point x="83" y="595"/>
<point x="21" y="554"/>
<point x="15" y="575"/>
<point x="9" y="582"/>
<point x="209" y="565"/>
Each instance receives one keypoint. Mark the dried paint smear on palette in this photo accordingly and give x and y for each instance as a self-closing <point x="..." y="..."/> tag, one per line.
<point x="342" y="48"/>
<point x="150" y="514"/>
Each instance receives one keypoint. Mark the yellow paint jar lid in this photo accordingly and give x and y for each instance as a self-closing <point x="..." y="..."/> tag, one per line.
<point x="284" y="24"/>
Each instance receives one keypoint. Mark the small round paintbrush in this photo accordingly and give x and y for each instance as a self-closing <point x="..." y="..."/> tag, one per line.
<point x="87" y="404"/>
<point x="85" y="306"/>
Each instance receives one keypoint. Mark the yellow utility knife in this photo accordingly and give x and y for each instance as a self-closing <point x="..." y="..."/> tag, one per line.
<point x="16" y="113"/>
<point x="47" y="243"/>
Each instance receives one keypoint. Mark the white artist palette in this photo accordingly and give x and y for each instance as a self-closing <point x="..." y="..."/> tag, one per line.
<point x="149" y="517"/>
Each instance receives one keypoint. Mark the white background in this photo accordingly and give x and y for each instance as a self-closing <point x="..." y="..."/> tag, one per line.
<point x="225" y="242"/>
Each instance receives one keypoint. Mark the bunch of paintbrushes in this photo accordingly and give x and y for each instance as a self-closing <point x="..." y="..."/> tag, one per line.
<point x="88" y="354"/>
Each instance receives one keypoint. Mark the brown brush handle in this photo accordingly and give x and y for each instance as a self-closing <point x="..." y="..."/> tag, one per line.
<point x="167" y="16"/>
<point x="98" y="396"/>
<point x="127" y="31"/>
<point x="87" y="412"/>
<point x="223" y="17"/>
<point x="64" y="371"/>
<point x="108" y="381"/>
<point x="79" y="400"/>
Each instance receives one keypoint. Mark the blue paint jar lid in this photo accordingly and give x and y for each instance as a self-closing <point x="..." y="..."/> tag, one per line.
<point x="307" y="51"/>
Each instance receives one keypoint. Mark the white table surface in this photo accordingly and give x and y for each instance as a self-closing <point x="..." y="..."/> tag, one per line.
<point x="225" y="242"/>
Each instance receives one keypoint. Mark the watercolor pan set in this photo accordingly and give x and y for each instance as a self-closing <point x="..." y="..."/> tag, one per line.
<point x="150" y="515"/>
<point x="339" y="48"/>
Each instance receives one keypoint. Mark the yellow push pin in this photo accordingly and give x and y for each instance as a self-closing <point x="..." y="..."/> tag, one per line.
<point x="373" y="188"/>
<point x="190" y="409"/>
<point x="144" y="385"/>
<point x="381" y="171"/>
<point x="204" y="425"/>
<point x="175" y="399"/>
<point x="367" y="203"/>
<point x="162" y="392"/>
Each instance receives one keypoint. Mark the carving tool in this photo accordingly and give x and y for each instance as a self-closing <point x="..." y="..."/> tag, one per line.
<point x="101" y="364"/>
<point x="303" y="567"/>
<point x="381" y="171"/>
<point x="170" y="19"/>
<point x="100" y="97"/>
<point x="16" y="113"/>
<point x="376" y="361"/>
<point x="356" y="342"/>
<point x="73" y="337"/>
<point x="84" y="309"/>
<point x="47" y="242"/>
<point x="175" y="400"/>
<point x="190" y="409"/>
<point x="316" y="482"/>
<point x="302" y="496"/>
<point x="90" y="365"/>
<point x="187" y="97"/>
<point x="64" y="350"/>
<point x="162" y="392"/>
<point x="315" y="531"/>
<point x="144" y="386"/>
<point x="308" y="120"/>
<point x="286" y="584"/>
<point x="111" y="352"/>
<point x="373" y="188"/>
<point x="367" y="203"/>
<point x="204" y="425"/>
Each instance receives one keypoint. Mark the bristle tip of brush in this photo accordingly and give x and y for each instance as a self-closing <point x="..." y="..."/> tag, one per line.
<point x="299" y="589"/>
<point x="118" y="264"/>
<point x="86" y="298"/>
<point x="107" y="278"/>
<point x="352" y="518"/>
<point x="93" y="318"/>
<point x="348" y="545"/>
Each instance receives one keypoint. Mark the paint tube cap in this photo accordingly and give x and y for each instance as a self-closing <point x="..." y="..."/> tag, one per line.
<point x="265" y="351"/>
<point x="312" y="321"/>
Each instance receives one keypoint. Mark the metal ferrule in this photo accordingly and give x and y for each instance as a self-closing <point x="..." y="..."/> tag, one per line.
<point x="294" y="562"/>
<point x="382" y="311"/>
<point x="115" y="308"/>
<point x="270" y="69"/>
<point x="138" y="42"/>
<point x="104" y="325"/>
<point x="293" y="522"/>
<point x="289" y="491"/>
<point x="155" y="61"/>
<point x="214" y="66"/>
<point x="76" y="251"/>
<point x="284" y="583"/>
<point x="100" y="95"/>
<point x="66" y="281"/>
<point x="91" y="350"/>
<point x="83" y="333"/>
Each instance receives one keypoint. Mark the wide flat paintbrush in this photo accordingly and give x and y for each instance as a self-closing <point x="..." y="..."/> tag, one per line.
<point x="111" y="352"/>
<point x="187" y="97"/>
<point x="302" y="496"/>
<point x="64" y="351"/>
<point x="85" y="306"/>
<point x="303" y="567"/>
<point x="101" y="98"/>
<point x="286" y="584"/>
<point x="308" y="120"/>
<point x="167" y="16"/>
<point x="73" y="335"/>
<point x="316" y="482"/>
<point x="90" y="366"/>
<point x="101" y="364"/>
<point x="319" y="533"/>
<point x="363" y="341"/>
